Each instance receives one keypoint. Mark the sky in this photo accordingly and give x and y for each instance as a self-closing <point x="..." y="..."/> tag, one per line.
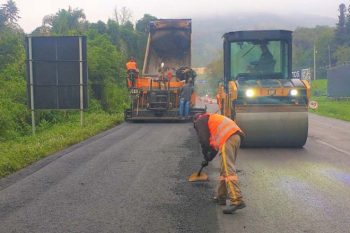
<point x="33" y="11"/>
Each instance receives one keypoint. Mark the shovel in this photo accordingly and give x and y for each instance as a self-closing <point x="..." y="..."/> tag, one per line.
<point x="198" y="176"/>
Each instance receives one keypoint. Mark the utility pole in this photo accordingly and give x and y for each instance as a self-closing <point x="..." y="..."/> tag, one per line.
<point x="329" y="57"/>
<point x="315" y="61"/>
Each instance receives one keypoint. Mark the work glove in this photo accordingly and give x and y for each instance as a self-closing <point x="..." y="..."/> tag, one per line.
<point x="205" y="163"/>
<point x="209" y="153"/>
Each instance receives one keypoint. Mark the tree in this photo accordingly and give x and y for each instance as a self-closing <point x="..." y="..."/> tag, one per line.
<point x="142" y="24"/>
<point x="340" y="34"/>
<point x="122" y="16"/>
<point x="9" y="13"/>
<point x="106" y="72"/>
<point x="100" y="27"/>
<point x="342" y="55"/>
<point x="66" y="21"/>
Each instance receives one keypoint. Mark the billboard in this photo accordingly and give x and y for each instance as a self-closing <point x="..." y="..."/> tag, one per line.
<point x="56" y="72"/>
<point x="339" y="81"/>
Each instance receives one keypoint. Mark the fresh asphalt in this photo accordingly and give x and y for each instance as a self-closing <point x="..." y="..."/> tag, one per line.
<point x="133" y="178"/>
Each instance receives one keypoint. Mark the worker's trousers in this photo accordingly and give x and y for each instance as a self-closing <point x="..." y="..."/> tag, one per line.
<point x="228" y="185"/>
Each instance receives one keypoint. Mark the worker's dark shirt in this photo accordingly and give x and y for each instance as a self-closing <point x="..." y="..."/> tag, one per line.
<point x="266" y="62"/>
<point x="186" y="92"/>
<point x="202" y="129"/>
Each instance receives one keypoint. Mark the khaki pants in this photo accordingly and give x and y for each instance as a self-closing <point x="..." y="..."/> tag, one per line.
<point x="228" y="185"/>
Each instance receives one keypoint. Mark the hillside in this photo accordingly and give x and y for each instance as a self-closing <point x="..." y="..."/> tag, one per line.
<point x="207" y="31"/>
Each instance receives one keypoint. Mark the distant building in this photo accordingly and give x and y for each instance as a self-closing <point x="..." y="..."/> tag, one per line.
<point x="339" y="81"/>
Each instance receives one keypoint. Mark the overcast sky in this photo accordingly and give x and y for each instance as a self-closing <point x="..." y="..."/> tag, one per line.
<point x="33" y="11"/>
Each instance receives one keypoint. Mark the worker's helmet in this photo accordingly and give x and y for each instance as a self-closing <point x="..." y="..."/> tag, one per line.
<point x="132" y="58"/>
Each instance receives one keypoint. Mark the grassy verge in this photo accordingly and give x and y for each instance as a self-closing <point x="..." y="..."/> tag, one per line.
<point x="19" y="153"/>
<point x="339" y="109"/>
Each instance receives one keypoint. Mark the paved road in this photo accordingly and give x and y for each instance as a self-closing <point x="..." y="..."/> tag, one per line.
<point x="132" y="178"/>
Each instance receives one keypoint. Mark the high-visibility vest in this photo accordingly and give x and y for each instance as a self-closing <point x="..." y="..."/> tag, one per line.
<point x="131" y="65"/>
<point x="221" y="128"/>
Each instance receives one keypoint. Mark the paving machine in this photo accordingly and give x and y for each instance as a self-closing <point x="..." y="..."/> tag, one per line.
<point x="166" y="68"/>
<point x="259" y="92"/>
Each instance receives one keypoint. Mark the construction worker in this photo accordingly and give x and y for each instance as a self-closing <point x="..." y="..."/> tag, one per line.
<point x="218" y="101"/>
<point x="266" y="63"/>
<point x="220" y="135"/>
<point x="132" y="71"/>
<point x="185" y="99"/>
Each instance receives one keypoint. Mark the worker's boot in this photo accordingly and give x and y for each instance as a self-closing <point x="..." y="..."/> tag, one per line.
<point x="232" y="208"/>
<point x="219" y="200"/>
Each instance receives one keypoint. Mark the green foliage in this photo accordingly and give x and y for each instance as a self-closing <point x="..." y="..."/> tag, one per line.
<point x="106" y="72"/>
<point x="142" y="24"/>
<point x="341" y="30"/>
<point x="11" y="50"/>
<point x="13" y="111"/>
<point x="215" y="74"/>
<point x="16" y="154"/>
<point x="334" y="108"/>
<point x="67" y="22"/>
<point x="339" y="109"/>
<point x="9" y="13"/>
<point x="342" y="54"/>
<point x="304" y="40"/>
<point x="319" y="87"/>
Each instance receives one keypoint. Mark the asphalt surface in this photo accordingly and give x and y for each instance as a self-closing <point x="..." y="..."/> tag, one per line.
<point x="133" y="178"/>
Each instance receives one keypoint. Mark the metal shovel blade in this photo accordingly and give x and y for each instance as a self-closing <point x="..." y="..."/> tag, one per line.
<point x="195" y="177"/>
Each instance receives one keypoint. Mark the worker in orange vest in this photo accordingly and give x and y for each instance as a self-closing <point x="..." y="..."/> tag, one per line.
<point x="218" y="101"/>
<point x="132" y="71"/>
<point x="220" y="135"/>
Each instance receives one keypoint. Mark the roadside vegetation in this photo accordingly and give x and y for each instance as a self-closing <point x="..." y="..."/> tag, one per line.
<point x="330" y="107"/>
<point x="109" y="46"/>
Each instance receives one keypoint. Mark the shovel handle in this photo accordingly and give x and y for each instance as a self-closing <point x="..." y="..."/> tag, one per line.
<point x="200" y="170"/>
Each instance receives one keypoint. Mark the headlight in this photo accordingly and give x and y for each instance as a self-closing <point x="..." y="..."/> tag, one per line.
<point x="249" y="93"/>
<point x="294" y="92"/>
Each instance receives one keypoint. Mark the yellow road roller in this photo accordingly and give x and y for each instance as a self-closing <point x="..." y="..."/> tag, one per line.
<point x="259" y="92"/>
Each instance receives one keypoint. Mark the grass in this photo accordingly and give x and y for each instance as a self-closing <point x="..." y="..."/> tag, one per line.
<point x="339" y="109"/>
<point x="335" y="108"/>
<point x="19" y="153"/>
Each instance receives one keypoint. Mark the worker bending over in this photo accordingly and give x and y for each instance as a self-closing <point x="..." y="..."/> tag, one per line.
<point x="218" y="133"/>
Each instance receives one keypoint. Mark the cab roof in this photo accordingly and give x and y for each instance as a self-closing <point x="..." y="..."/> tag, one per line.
<point x="258" y="35"/>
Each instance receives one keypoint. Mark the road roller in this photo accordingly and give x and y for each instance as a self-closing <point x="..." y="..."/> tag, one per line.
<point x="259" y="92"/>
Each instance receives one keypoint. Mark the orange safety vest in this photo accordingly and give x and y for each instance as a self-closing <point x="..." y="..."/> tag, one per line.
<point x="221" y="128"/>
<point x="131" y="65"/>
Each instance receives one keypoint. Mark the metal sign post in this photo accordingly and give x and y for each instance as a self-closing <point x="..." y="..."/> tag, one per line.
<point x="31" y="83"/>
<point x="81" y="82"/>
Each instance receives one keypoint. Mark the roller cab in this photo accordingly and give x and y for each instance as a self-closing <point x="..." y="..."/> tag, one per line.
<point x="259" y="93"/>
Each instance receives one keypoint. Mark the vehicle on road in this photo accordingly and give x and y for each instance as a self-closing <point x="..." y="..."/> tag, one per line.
<point x="166" y="69"/>
<point x="259" y="92"/>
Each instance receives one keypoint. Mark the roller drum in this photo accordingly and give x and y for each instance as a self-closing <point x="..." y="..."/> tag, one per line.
<point x="274" y="129"/>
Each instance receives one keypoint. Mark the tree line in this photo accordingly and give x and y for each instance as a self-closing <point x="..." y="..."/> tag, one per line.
<point x="109" y="46"/>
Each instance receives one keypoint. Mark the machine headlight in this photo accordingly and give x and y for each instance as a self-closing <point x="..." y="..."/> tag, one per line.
<point x="249" y="93"/>
<point x="294" y="92"/>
